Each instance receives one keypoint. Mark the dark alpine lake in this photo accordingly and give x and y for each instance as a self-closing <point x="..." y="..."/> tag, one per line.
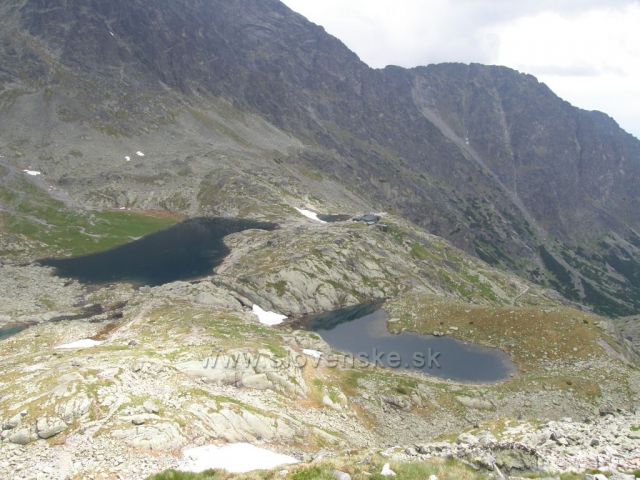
<point x="185" y="251"/>
<point x="8" y="331"/>
<point x="362" y="332"/>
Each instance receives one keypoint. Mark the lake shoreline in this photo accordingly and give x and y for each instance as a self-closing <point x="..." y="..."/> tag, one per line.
<point x="358" y="330"/>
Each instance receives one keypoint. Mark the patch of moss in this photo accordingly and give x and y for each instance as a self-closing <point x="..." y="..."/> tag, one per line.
<point x="313" y="473"/>
<point x="280" y="287"/>
<point x="176" y="475"/>
<point x="419" y="252"/>
<point x="59" y="230"/>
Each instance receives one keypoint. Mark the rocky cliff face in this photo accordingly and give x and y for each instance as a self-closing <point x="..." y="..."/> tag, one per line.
<point x="484" y="156"/>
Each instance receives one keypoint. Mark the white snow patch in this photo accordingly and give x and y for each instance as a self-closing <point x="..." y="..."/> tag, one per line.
<point x="33" y="173"/>
<point x="387" y="472"/>
<point x="84" y="343"/>
<point x="309" y="214"/>
<point x="140" y="154"/>
<point x="233" y="457"/>
<point x="312" y="353"/>
<point x="127" y="158"/>
<point x="268" y="318"/>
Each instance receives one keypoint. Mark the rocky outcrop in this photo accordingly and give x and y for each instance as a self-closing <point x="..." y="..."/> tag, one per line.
<point x="260" y="370"/>
<point x="48" y="427"/>
<point x="30" y="294"/>
<point x="203" y="293"/>
<point x="475" y="403"/>
<point x="162" y="436"/>
<point x="73" y="408"/>
<point x="567" y="445"/>
<point x="22" y="436"/>
<point x="318" y="268"/>
<point x="14" y="421"/>
<point x="235" y="425"/>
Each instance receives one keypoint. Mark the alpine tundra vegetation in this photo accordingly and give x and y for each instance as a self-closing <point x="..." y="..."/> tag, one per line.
<point x="188" y="186"/>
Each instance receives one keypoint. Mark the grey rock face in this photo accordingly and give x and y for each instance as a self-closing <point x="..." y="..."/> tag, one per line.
<point x="486" y="438"/>
<point x="259" y="370"/>
<point x="74" y="408"/>
<point x="238" y="426"/>
<point x="13" y="422"/>
<point x="48" y="427"/>
<point x="217" y="298"/>
<point x="161" y="436"/>
<point x="467" y="439"/>
<point x="22" y="436"/>
<point x="517" y="459"/>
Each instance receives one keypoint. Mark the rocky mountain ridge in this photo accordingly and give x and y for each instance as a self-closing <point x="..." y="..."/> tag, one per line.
<point x="506" y="214"/>
<point x="483" y="156"/>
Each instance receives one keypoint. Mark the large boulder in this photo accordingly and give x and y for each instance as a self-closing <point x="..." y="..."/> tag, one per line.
<point x="47" y="427"/>
<point x="467" y="439"/>
<point x="516" y="459"/>
<point x="259" y="381"/>
<point x="22" y="436"/>
<point x="150" y="406"/>
<point x="14" y="421"/>
<point x="73" y="408"/>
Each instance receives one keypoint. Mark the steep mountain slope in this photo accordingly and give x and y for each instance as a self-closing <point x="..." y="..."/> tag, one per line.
<point x="574" y="172"/>
<point x="131" y="115"/>
<point x="251" y="91"/>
